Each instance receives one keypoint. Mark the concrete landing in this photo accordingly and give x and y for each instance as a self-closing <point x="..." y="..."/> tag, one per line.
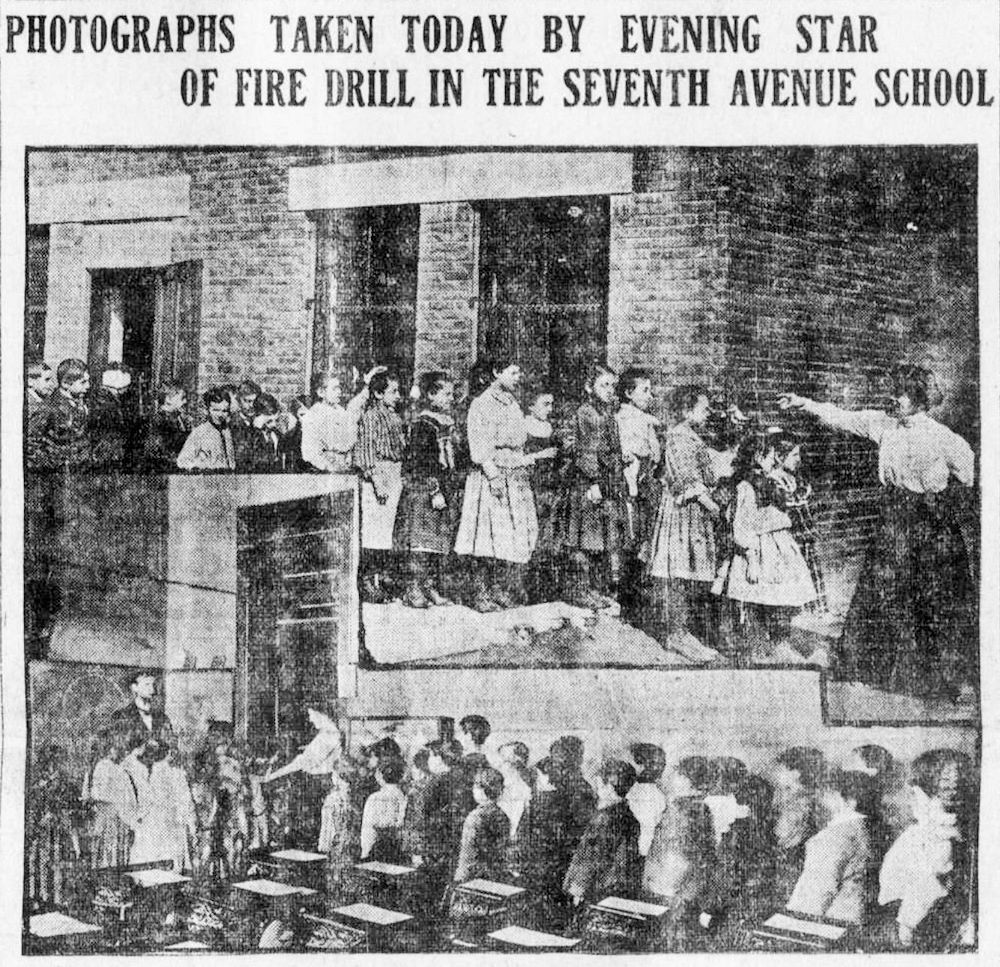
<point x="550" y="635"/>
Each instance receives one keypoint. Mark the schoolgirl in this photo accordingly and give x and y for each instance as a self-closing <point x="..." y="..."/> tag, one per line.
<point x="794" y="495"/>
<point x="110" y="794"/>
<point x="766" y="572"/>
<point x="638" y="431"/>
<point x="546" y="485"/>
<point x="682" y="544"/>
<point x="593" y="503"/>
<point x="429" y="506"/>
<point x="499" y="523"/>
<point x="378" y="457"/>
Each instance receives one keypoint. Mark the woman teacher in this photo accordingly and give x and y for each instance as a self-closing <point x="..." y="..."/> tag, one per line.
<point x="911" y="625"/>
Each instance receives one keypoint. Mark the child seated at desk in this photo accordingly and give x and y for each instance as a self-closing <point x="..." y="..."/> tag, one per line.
<point x="607" y="860"/>
<point x="838" y="858"/>
<point x="382" y="818"/>
<point x="485" y="832"/>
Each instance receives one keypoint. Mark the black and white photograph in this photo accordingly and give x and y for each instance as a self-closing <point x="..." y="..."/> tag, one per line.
<point x="502" y="550"/>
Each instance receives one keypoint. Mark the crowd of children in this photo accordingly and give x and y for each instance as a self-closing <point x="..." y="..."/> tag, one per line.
<point x="866" y="841"/>
<point x="702" y="528"/>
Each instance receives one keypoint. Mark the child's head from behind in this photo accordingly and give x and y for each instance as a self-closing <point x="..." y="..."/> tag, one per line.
<point x="615" y="779"/>
<point x="389" y="771"/>
<point x="650" y="759"/>
<point x="443" y="755"/>
<point x="487" y="786"/>
<point x="942" y="774"/>
<point x="844" y="790"/>
<point x="799" y="767"/>
<point x="476" y="728"/>
<point x="421" y="761"/>
<point x="694" y="776"/>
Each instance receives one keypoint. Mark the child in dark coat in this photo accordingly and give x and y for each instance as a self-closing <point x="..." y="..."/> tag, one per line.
<point x="485" y="832"/>
<point x="546" y="480"/>
<point x="607" y="860"/>
<point x="431" y="500"/>
<point x="593" y="504"/>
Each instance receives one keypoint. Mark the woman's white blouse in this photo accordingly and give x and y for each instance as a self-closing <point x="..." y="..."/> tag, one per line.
<point x="915" y="453"/>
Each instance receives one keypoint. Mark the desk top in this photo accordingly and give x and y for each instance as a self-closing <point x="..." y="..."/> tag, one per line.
<point x="272" y="888"/>
<point x="298" y="856"/>
<point x="157" y="877"/>
<point x="490" y="886"/>
<point x="372" y="914"/>
<point x="523" y="937"/>
<point x="55" y="924"/>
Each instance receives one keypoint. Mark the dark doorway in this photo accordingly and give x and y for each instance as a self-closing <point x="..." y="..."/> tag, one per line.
<point x="372" y="254"/>
<point x="543" y="287"/>
<point x="149" y="320"/>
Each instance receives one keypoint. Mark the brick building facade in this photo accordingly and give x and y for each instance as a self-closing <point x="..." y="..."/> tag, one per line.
<point x="751" y="270"/>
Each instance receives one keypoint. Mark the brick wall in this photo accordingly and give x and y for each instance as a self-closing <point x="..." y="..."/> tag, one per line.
<point x="666" y="270"/>
<point x="258" y="258"/>
<point x="447" y="288"/>
<point x="817" y="308"/>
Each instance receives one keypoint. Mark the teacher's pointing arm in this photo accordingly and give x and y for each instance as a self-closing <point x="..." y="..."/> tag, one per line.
<point x="866" y="423"/>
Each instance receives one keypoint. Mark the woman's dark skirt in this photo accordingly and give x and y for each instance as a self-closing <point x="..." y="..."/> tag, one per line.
<point x="912" y="625"/>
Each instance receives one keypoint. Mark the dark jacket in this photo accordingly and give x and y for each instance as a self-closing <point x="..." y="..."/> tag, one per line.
<point x="107" y="430"/>
<point x="607" y="861"/>
<point x="257" y="451"/>
<point x="164" y="438"/>
<point x="58" y="434"/>
<point x="544" y="846"/>
<point x="129" y="718"/>
<point x="482" y="853"/>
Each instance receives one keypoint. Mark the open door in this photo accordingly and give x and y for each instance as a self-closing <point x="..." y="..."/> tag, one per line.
<point x="296" y="607"/>
<point x="150" y="320"/>
<point x="178" y="329"/>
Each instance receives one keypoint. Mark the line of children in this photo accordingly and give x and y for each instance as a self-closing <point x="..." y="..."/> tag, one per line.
<point x="527" y="516"/>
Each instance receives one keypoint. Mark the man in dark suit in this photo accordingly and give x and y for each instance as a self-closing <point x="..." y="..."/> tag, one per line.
<point x="144" y="713"/>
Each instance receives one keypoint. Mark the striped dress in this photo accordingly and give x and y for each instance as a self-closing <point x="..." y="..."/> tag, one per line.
<point x="378" y="454"/>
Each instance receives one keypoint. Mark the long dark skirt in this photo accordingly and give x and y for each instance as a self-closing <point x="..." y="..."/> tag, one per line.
<point x="912" y="624"/>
